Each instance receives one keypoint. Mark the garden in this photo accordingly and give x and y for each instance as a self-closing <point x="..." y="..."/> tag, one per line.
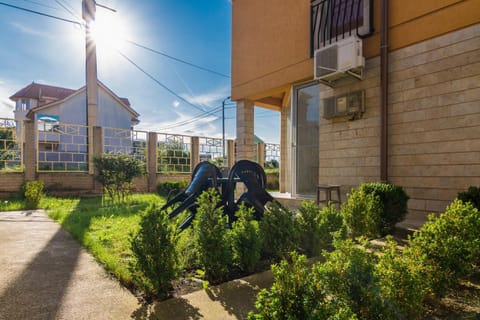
<point x="322" y="259"/>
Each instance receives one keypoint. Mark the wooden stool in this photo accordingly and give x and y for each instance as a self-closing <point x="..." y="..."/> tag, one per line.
<point x="328" y="189"/>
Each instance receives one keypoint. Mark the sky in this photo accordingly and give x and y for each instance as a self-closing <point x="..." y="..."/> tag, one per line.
<point x="45" y="50"/>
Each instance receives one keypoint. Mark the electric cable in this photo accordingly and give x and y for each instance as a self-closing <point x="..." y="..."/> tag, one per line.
<point x="41" y="13"/>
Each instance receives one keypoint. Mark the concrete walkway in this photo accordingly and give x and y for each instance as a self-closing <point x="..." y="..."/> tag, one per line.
<point x="45" y="274"/>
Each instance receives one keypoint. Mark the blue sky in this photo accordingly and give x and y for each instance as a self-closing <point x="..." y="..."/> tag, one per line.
<point x="44" y="50"/>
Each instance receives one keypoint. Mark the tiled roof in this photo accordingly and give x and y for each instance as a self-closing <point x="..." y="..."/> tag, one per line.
<point x="37" y="90"/>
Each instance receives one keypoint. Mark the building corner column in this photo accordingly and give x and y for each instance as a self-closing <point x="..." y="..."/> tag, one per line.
<point x="245" y="130"/>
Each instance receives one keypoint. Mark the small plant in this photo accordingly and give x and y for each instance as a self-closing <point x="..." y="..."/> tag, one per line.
<point x="116" y="174"/>
<point x="278" y="231"/>
<point x="402" y="283"/>
<point x="171" y="188"/>
<point x="246" y="242"/>
<point x="472" y="195"/>
<point x="362" y="214"/>
<point x="394" y="203"/>
<point x="449" y="244"/>
<point x="33" y="192"/>
<point x="316" y="227"/>
<point x="154" y="264"/>
<point x="211" y="237"/>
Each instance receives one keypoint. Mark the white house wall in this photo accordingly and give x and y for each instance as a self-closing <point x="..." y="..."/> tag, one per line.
<point x="110" y="113"/>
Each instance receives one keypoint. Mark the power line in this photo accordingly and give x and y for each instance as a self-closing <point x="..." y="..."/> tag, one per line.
<point x="42" y="4"/>
<point x="177" y="59"/>
<point x="193" y="119"/>
<point x="40" y="13"/>
<point x="67" y="8"/>
<point x="160" y="83"/>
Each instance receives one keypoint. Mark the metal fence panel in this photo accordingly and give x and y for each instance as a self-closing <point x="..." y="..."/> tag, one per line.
<point x="11" y="145"/>
<point x="174" y="153"/>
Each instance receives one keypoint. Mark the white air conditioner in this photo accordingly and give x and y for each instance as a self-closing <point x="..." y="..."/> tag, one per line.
<point x="339" y="60"/>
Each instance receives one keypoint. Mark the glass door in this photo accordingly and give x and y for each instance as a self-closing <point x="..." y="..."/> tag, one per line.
<point x="306" y="117"/>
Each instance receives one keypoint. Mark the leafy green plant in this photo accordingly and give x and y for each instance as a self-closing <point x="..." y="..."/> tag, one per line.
<point x="155" y="258"/>
<point x="402" y="282"/>
<point x="116" y="174"/>
<point x="33" y="193"/>
<point x="246" y="242"/>
<point x="316" y="227"/>
<point x="362" y="214"/>
<point x="278" y="231"/>
<point x="472" y="195"/>
<point x="348" y="275"/>
<point x="171" y="188"/>
<point x="394" y="203"/>
<point x="449" y="244"/>
<point x="211" y="236"/>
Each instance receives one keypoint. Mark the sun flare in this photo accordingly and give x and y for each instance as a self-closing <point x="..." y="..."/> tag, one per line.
<point x="109" y="33"/>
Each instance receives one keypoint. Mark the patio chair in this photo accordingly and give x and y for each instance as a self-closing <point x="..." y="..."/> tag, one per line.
<point x="255" y="180"/>
<point x="204" y="176"/>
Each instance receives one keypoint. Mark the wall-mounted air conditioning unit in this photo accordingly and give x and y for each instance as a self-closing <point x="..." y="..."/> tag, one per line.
<point x="350" y="104"/>
<point x="339" y="60"/>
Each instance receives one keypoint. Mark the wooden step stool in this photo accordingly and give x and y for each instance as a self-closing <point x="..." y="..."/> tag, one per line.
<point x="328" y="190"/>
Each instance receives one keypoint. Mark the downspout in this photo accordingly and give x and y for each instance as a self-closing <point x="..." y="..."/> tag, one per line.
<point x="384" y="93"/>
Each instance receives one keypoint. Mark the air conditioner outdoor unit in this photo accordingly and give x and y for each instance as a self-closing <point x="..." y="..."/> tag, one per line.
<point x="339" y="60"/>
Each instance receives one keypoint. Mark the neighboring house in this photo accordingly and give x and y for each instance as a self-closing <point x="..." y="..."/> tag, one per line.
<point x="60" y="117"/>
<point x="69" y="106"/>
<point x="397" y="101"/>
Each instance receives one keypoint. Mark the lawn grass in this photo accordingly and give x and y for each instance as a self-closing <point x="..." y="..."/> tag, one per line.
<point x="104" y="230"/>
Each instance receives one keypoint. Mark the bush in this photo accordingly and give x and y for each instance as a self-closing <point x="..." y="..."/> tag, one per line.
<point x="246" y="242"/>
<point x="402" y="283"/>
<point x="316" y="227"/>
<point x="33" y="192"/>
<point x="394" y="201"/>
<point x="449" y="244"/>
<point x="171" y="188"/>
<point x="472" y="195"/>
<point x="362" y="214"/>
<point x="348" y="276"/>
<point x="154" y="252"/>
<point x="116" y="174"/>
<point x="278" y="231"/>
<point x="211" y="236"/>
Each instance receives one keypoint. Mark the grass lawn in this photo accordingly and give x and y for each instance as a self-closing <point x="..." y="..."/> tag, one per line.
<point x="102" y="229"/>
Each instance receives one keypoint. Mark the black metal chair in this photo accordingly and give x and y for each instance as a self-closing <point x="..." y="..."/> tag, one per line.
<point x="204" y="176"/>
<point x="255" y="180"/>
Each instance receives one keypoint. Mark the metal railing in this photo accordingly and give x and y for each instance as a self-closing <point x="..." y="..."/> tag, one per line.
<point x="174" y="153"/>
<point x="211" y="149"/>
<point x="127" y="142"/>
<point x="272" y="154"/>
<point x="332" y="20"/>
<point x="11" y="146"/>
<point x="62" y="147"/>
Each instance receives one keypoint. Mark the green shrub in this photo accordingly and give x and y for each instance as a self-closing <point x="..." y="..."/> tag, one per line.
<point x="211" y="236"/>
<point x="116" y="174"/>
<point x="278" y="232"/>
<point x="348" y="275"/>
<point x="154" y="264"/>
<point x="171" y="188"/>
<point x="394" y="201"/>
<point x="293" y="294"/>
<point x="402" y="283"/>
<point x="33" y="192"/>
<point x="316" y="227"/>
<point x="449" y="244"/>
<point x="362" y="214"/>
<point x="245" y="238"/>
<point x="472" y="195"/>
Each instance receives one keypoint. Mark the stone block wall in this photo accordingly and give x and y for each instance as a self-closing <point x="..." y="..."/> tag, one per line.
<point x="434" y="123"/>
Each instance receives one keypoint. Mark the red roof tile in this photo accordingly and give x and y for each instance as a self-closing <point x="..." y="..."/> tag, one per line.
<point x="37" y="90"/>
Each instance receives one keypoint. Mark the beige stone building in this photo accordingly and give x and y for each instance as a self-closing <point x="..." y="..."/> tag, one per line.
<point x="367" y="91"/>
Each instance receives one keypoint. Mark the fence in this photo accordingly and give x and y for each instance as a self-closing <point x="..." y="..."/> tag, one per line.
<point x="61" y="154"/>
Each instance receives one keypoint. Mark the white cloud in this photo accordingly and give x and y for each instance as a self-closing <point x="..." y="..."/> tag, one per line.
<point x="29" y="30"/>
<point x="176" y="103"/>
<point x="6" y="105"/>
<point x="208" y="99"/>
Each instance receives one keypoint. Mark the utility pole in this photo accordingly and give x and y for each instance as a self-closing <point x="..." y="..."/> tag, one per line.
<point x="223" y="129"/>
<point x="88" y="14"/>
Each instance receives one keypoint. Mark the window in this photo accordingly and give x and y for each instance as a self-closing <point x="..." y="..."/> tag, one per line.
<point x="333" y="20"/>
<point x="24" y="105"/>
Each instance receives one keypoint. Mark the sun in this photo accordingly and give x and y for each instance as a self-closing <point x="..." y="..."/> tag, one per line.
<point x="109" y="32"/>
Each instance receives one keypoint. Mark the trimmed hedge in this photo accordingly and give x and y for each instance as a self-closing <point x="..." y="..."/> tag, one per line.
<point x="472" y="195"/>
<point x="171" y="188"/>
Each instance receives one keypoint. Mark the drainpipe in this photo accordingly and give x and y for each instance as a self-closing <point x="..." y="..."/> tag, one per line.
<point x="384" y="93"/>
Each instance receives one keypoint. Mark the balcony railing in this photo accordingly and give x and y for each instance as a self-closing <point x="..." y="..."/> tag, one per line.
<point x="333" y="20"/>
